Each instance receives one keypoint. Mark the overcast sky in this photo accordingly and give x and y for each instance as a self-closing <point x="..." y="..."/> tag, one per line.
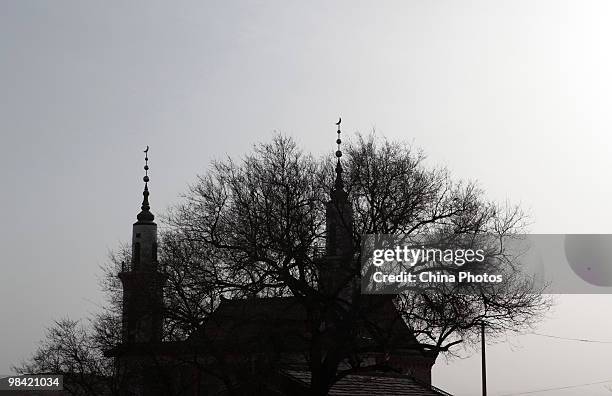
<point x="514" y="94"/>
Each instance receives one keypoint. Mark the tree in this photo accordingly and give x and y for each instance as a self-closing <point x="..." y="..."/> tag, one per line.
<point x="70" y="350"/>
<point x="256" y="227"/>
<point x="264" y="222"/>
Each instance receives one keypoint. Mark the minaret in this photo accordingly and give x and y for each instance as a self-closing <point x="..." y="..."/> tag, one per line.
<point x="142" y="283"/>
<point x="337" y="269"/>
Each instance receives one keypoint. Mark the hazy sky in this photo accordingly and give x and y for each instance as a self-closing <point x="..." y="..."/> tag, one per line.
<point x="514" y="94"/>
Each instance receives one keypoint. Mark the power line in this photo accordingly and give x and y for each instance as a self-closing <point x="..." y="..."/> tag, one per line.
<point x="568" y="386"/>
<point x="571" y="339"/>
<point x="559" y="388"/>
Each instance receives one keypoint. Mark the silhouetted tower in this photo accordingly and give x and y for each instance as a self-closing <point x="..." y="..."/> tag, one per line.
<point x="337" y="270"/>
<point x="142" y="282"/>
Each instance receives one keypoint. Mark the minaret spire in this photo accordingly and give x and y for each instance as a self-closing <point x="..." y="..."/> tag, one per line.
<point x="338" y="212"/>
<point x="336" y="270"/>
<point x="145" y="215"/>
<point x="338" y="194"/>
<point x="142" y="282"/>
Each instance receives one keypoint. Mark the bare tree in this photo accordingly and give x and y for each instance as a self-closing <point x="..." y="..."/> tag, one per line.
<point x="263" y="220"/>
<point x="70" y="350"/>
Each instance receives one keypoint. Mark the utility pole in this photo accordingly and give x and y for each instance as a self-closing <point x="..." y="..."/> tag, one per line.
<point x="484" y="359"/>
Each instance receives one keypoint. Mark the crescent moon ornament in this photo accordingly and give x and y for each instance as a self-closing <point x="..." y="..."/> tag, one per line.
<point x="339" y="121"/>
<point x="147" y="150"/>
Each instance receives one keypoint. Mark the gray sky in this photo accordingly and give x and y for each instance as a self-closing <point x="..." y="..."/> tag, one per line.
<point x="514" y="94"/>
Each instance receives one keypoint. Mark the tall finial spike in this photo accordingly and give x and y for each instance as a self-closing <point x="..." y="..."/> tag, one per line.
<point x="145" y="214"/>
<point x="146" y="167"/>
<point x="338" y="184"/>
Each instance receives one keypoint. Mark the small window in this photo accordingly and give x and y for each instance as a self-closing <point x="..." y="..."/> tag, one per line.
<point x="154" y="252"/>
<point x="137" y="255"/>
